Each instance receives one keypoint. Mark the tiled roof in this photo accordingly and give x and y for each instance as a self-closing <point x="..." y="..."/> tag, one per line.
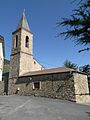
<point x="50" y="71"/>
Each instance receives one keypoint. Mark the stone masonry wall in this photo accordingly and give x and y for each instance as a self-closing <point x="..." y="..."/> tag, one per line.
<point x="12" y="86"/>
<point x="81" y="88"/>
<point x="22" y="60"/>
<point x="25" y="33"/>
<point x="1" y="87"/>
<point x="27" y="64"/>
<point x="14" y="66"/>
<point x="56" y="86"/>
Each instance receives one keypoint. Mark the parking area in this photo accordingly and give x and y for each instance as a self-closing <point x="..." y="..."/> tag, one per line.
<point x="40" y="108"/>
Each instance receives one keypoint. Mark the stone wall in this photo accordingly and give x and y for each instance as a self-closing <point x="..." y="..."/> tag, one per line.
<point x="6" y="82"/>
<point x="14" y="48"/>
<point x="55" y="85"/>
<point x="81" y="88"/>
<point x="28" y="50"/>
<point x="27" y="64"/>
<point x="12" y="86"/>
<point x="14" y="65"/>
<point x="1" y="87"/>
<point x="22" y="60"/>
<point x="66" y="86"/>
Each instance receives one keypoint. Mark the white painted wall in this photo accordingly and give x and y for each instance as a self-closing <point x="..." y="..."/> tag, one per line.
<point x="1" y="61"/>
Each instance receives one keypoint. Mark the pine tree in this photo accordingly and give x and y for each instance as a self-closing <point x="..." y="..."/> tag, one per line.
<point x="71" y="65"/>
<point x="78" y="25"/>
<point x="85" y="69"/>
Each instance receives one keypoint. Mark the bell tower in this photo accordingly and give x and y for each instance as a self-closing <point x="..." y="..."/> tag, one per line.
<point x="21" y="59"/>
<point x="22" y="46"/>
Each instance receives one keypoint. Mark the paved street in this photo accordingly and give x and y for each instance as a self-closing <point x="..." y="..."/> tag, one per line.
<point x="37" y="108"/>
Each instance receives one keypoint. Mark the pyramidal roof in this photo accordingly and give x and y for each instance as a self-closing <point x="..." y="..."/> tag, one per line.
<point x="23" y="23"/>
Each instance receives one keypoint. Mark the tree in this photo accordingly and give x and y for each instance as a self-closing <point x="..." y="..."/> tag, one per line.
<point x="78" y="26"/>
<point x="85" y="69"/>
<point x="71" y="65"/>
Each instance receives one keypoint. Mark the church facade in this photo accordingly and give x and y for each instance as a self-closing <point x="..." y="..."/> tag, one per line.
<point x="28" y="77"/>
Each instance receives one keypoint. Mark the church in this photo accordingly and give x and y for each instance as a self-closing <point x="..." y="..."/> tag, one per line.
<point x="28" y="77"/>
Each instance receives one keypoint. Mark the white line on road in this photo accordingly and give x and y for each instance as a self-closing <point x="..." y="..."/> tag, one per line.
<point x="17" y="108"/>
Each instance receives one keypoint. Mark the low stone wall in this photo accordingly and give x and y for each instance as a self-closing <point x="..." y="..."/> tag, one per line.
<point x="55" y="86"/>
<point x="1" y="87"/>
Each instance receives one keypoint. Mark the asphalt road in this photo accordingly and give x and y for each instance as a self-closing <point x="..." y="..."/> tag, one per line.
<point x="37" y="108"/>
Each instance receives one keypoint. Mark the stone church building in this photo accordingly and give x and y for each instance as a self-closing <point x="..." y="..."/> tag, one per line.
<point x="28" y="77"/>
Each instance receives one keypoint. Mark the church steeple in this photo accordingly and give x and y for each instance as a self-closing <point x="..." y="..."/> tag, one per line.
<point x="21" y="59"/>
<point x="23" y="23"/>
<point x="22" y="49"/>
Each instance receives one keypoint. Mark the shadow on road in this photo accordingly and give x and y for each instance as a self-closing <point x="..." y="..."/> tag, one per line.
<point x="88" y="113"/>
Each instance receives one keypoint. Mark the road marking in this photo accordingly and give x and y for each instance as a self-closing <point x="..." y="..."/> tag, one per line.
<point x="17" y="108"/>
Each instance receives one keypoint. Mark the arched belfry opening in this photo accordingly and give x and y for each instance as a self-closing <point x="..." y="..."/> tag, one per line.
<point x="27" y="42"/>
<point x="16" y="42"/>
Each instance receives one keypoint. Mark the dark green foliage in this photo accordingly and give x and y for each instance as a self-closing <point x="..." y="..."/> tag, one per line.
<point x="85" y="69"/>
<point x="71" y="65"/>
<point x="78" y="25"/>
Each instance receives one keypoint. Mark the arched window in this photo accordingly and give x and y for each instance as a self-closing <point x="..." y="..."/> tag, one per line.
<point x="34" y="62"/>
<point x="27" y="42"/>
<point x="16" y="41"/>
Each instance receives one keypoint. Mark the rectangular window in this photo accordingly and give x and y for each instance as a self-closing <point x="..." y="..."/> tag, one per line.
<point x="37" y="85"/>
<point x="16" y="41"/>
<point x="27" y="42"/>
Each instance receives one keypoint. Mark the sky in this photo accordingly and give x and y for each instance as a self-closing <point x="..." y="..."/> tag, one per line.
<point x="42" y="15"/>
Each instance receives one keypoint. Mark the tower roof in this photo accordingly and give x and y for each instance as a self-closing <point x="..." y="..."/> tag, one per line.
<point x="23" y="23"/>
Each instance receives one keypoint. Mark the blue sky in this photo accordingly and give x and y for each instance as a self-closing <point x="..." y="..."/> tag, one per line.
<point x="42" y="15"/>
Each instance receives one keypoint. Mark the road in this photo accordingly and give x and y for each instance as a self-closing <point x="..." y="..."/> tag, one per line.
<point x="40" y="108"/>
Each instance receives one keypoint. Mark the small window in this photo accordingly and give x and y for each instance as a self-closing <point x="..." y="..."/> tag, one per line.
<point x="27" y="42"/>
<point x="16" y="42"/>
<point x="34" y="62"/>
<point x="37" y="85"/>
